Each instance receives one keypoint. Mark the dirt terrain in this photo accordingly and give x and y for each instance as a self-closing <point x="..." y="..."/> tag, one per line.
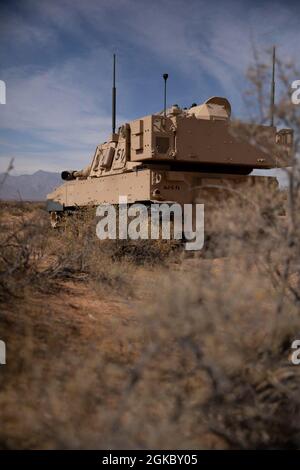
<point x="141" y="345"/>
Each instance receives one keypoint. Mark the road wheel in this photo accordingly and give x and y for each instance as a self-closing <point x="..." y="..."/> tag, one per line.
<point x="55" y="219"/>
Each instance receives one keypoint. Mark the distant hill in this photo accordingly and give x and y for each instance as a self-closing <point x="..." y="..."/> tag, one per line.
<point x="29" y="187"/>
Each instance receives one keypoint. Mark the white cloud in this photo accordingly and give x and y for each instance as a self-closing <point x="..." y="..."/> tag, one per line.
<point x="57" y="108"/>
<point x="60" y="112"/>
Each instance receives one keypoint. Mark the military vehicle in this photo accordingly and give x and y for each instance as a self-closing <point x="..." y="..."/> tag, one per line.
<point x="170" y="156"/>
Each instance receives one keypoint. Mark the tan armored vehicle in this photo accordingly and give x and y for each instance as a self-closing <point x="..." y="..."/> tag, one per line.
<point x="169" y="156"/>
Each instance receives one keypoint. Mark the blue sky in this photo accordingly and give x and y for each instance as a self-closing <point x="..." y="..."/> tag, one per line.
<point x="56" y="60"/>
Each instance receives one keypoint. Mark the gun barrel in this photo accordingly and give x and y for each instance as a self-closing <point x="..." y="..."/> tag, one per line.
<point x="67" y="175"/>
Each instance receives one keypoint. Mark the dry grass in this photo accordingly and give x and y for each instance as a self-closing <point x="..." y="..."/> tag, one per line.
<point x="129" y="345"/>
<point x="104" y="352"/>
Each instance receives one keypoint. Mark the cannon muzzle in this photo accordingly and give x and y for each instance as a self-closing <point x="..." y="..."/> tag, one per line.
<point x="67" y="175"/>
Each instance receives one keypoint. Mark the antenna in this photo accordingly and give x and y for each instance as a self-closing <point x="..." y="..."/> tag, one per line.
<point x="165" y="77"/>
<point x="272" y="101"/>
<point x="114" y="96"/>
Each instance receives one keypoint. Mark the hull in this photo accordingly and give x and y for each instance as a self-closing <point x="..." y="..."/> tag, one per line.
<point x="147" y="185"/>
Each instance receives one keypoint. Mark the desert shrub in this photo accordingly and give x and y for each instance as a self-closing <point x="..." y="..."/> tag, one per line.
<point x="20" y="207"/>
<point x="204" y="364"/>
<point x="217" y="362"/>
<point x="32" y="255"/>
<point x="23" y="244"/>
<point x="77" y="252"/>
<point x="141" y="252"/>
<point x="201" y="361"/>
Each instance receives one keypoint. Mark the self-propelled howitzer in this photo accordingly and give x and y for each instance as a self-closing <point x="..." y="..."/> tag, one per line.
<point x="170" y="155"/>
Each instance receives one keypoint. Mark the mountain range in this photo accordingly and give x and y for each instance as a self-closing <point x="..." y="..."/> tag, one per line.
<point x="33" y="187"/>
